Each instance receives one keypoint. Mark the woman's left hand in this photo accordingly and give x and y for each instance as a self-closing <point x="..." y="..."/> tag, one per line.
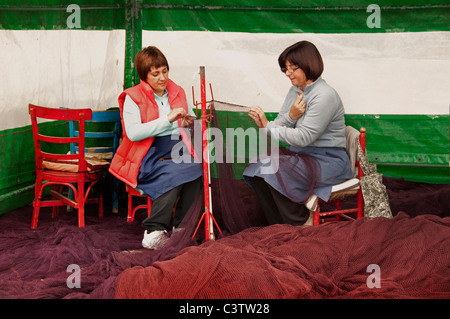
<point x="187" y="120"/>
<point x="258" y="115"/>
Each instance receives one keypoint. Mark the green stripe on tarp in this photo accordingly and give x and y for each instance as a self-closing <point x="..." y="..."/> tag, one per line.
<point x="234" y="16"/>
<point x="296" y="17"/>
<point x="413" y="147"/>
<point x="405" y="139"/>
<point x="53" y="15"/>
<point x="133" y="42"/>
<point x="17" y="163"/>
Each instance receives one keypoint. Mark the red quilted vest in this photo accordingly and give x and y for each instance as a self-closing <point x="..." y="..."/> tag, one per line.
<point x="127" y="160"/>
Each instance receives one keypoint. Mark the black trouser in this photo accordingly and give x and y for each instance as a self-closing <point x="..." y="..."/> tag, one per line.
<point x="278" y="208"/>
<point x="162" y="207"/>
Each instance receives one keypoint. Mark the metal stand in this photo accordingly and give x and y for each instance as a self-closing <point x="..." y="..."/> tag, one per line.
<point x="207" y="215"/>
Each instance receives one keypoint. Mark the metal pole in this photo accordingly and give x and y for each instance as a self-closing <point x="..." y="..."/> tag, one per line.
<point x="209" y="235"/>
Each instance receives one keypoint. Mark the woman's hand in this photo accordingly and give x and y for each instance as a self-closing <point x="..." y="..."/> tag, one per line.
<point x="298" y="108"/>
<point x="180" y="113"/>
<point x="187" y="120"/>
<point x="258" y="115"/>
<point x="176" y="114"/>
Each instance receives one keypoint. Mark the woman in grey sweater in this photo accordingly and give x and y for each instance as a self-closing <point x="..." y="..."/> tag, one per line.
<point x="311" y="122"/>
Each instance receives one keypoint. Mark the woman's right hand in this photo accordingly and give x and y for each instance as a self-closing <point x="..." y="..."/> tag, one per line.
<point x="298" y="108"/>
<point x="258" y="115"/>
<point x="176" y="114"/>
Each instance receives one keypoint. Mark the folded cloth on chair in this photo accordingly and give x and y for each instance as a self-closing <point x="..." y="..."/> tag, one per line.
<point x="93" y="164"/>
<point x="106" y="156"/>
<point x="376" y="200"/>
<point x="352" y="138"/>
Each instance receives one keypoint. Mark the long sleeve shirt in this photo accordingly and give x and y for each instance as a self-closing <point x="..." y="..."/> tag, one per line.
<point x="322" y="124"/>
<point x="137" y="131"/>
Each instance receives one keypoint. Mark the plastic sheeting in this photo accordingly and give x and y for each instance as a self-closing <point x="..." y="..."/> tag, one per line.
<point x="382" y="73"/>
<point x="58" y="68"/>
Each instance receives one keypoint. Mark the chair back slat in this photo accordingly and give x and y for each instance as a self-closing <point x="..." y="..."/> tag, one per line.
<point x="62" y="157"/>
<point x="99" y="117"/>
<point x="78" y="115"/>
<point x="57" y="139"/>
<point x="62" y="114"/>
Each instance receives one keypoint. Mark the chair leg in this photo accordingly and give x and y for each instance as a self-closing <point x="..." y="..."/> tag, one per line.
<point x="360" y="201"/>
<point x="36" y="206"/>
<point x="115" y="200"/>
<point x="100" y="186"/>
<point x="55" y="209"/>
<point x="36" y="203"/>
<point x="338" y="206"/>
<point x="100" y="205"/>
<point x="71" y="195"/>
<point x="81" y="204"/>
<point x="316" y="218"/>
<point x="130" y="216"/>
<point x="149" y="206"/>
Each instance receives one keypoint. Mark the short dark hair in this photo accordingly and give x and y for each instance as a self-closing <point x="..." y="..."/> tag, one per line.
<point x="147" y="58"/>
<point x="305" y="55"/>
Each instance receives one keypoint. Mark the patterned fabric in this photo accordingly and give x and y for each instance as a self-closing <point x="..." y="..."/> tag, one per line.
<point x="376" y="200"/>
<point x="93" y="164"/>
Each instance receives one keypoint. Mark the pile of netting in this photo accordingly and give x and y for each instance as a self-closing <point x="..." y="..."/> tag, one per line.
<point x="330" y="261"/>
<point x="283" y="261"/>
<point x="250" y="260"/>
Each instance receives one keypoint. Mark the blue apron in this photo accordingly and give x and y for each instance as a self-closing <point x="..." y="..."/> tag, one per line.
<point x="159" y="173"/>
<point x="334" y="164"/>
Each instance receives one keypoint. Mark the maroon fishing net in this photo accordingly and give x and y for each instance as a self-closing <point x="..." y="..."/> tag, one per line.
<point x="251" y="260"/>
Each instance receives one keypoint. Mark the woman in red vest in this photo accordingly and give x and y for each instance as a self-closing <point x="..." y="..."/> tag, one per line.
<point x="155" y="114"/>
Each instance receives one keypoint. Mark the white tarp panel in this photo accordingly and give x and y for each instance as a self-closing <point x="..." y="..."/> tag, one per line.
<point x="58" y="68"/>
<point x="380" y="73"/>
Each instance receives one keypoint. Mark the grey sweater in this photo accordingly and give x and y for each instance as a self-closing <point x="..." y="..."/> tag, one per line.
<point x="322" y="124"/>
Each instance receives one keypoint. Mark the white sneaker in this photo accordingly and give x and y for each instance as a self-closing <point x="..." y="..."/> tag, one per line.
<point x="176" y="230"/>
<point x="311" y="203"/>
<point x="155" y="239"/>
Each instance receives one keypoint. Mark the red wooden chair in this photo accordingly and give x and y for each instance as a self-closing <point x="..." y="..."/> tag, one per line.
<point x="55" y="167"/>
<point x="348" y="188"/>
<point x="136" y="192"/>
